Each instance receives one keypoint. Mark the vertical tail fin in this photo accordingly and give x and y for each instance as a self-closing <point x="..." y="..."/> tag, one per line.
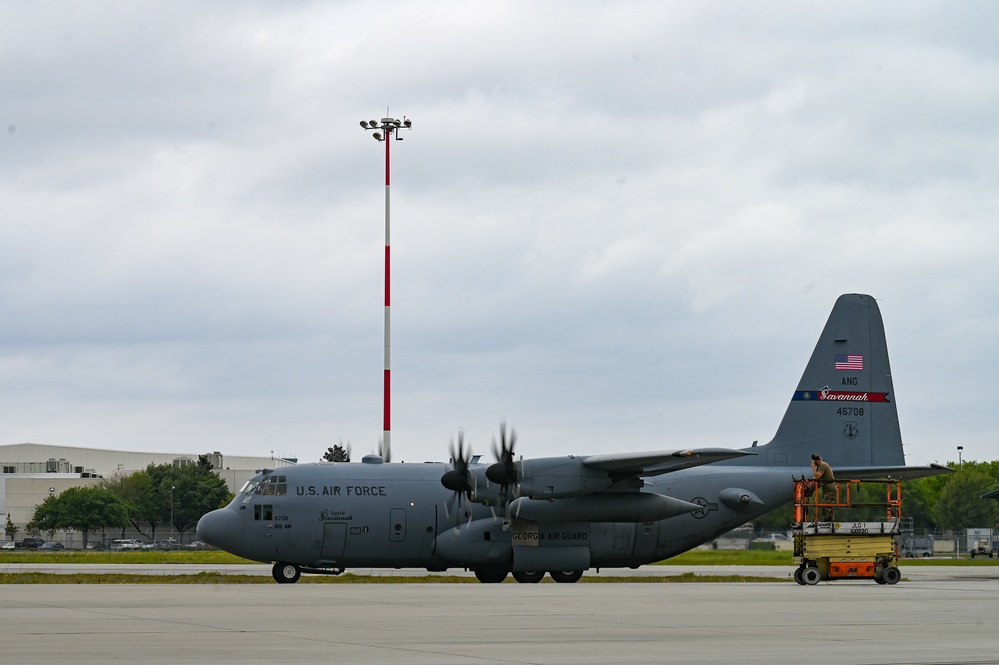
<point x="844" y="406"/>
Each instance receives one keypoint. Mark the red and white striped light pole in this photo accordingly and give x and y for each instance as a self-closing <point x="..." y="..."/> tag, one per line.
<point x="385" y="130"/>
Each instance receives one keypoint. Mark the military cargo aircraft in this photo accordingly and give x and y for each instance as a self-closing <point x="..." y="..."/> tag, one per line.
<point x="564" y="515"/>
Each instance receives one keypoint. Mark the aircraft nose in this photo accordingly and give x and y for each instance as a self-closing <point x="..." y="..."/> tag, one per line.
<point x="221" y="528"/>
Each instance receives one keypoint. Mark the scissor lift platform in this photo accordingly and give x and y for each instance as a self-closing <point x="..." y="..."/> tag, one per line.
<point x="831" y="550"/>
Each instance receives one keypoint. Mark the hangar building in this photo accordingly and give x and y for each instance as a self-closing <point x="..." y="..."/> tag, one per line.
<point x="31" y="471"/>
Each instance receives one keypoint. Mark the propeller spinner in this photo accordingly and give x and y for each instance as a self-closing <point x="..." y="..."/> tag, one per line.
<point x="458" y="479"/>
<point x="504" y="471"/>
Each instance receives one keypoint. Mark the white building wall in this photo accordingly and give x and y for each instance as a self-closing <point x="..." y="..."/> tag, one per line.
<point x="22" y="491"/>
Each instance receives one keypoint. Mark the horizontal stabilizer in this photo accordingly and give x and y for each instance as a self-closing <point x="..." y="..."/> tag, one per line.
<point x="893" y="472"/>
<point x="657" y="463"/>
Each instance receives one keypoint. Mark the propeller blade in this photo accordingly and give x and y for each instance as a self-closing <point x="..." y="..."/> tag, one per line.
<point x="457" y="479"/>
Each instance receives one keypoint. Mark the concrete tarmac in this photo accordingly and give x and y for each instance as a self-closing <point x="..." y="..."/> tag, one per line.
<point x="925" y="573"/>
<point x="952" y="620"/>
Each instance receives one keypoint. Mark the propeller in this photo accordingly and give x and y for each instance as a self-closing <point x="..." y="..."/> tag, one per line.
<point x="503" y="472"/>
<point x="458" y="480"/>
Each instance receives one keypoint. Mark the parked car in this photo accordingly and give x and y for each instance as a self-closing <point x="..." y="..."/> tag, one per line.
<point x="198" y="545"/>
<point x="8" y="546"/>
<point x="126" y="544"/>
<point x="166" y="544"/>
<point x="30" y="543"/>
<point x="51" y="545"/>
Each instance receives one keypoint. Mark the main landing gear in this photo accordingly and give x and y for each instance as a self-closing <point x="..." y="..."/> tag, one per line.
<point x="491" y="575"/>
<point x="286" y="573"/>
<point x="566" y="576"/>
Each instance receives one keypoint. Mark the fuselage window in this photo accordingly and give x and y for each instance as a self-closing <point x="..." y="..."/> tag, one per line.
<point x="263" y="511"/>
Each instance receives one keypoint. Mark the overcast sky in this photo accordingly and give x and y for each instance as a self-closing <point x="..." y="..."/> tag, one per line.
<point x="615" y="225"/>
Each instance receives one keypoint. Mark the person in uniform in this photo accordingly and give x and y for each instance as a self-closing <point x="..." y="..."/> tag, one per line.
<point x="824" y="478"/>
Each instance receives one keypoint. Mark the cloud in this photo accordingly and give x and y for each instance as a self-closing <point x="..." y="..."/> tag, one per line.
<point x="627" y="236"/>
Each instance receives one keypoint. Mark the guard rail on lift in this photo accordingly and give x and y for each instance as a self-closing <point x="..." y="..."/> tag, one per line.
<point x="809" y="501"/>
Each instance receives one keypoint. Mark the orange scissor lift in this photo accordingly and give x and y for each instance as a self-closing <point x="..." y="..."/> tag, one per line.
<point x="839" y="549"/>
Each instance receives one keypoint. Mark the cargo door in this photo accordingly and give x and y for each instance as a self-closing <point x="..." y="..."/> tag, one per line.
<point x="334" y="539"/>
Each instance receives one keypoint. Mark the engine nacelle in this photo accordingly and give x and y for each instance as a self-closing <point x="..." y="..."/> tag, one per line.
<point x="740" y="499"/>
<point x="486" y="492"/>
<point x="558" y="477"/>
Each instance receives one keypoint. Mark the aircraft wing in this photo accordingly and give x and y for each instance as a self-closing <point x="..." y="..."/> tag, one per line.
<point x="895" y="472"/>
<point x="659" y="462"/>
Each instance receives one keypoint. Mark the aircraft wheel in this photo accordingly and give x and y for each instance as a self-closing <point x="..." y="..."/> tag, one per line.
<point x="891" y="575"/>
<point x="566" y="576"/>
<point x="286" y="573"/>
<point x="811" y="575"/>
<point x="797" y="576"/>
<point x="528" y="577"/>
<point x="490" y="575"/>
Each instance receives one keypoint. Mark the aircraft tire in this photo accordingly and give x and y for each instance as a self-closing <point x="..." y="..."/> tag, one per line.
<point x="286" y="573"/>
<point x="811" y="575"/>
<point x="528" y="577"/>
<point x="891" y="575"/>
<point x="797" y="575"/>
<point x="490" y="575"/>
<point x="566" y="576"/>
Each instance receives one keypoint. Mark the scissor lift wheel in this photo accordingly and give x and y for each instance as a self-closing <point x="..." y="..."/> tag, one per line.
<point x="810" y="575"/>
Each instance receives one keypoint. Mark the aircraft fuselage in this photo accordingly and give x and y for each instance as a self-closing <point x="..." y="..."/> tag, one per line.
<point x="373" y="515"/>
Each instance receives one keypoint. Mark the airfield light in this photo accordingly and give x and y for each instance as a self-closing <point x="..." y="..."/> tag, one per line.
<point x="364" y="123"/>
<point x="960" y="449"/>
<point x="388" y="127"/>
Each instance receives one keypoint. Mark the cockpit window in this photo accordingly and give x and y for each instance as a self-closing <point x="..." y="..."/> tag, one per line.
<point x="272" y="486"/>
<point x="249" y="486"/>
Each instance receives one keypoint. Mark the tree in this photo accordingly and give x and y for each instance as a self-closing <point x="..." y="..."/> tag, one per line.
<point x="196" y="490"/>
<point x="145" y="506"/>
<point x="82" y="509"/>
<point x="10" y="529"/>
<point x="164" y="491"/>
<point x="337" y="453"/>
<point x="961" y="505"/>
<point x="919" y="498"/>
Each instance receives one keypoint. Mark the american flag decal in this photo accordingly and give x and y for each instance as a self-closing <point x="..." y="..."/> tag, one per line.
<point x="850" y="361"/>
